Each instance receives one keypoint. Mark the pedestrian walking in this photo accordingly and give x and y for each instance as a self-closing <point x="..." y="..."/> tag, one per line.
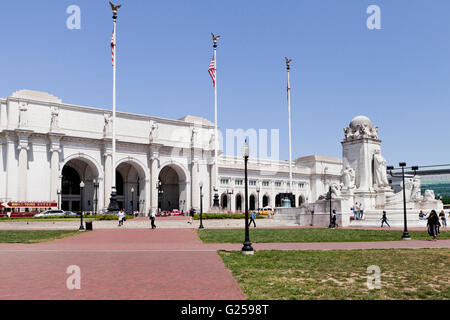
<point x="355" y="211"/>
<point x="152" y="219"/>
<point x="433" y="225"/>
<point x="361" y="211"/>
<point x="443" y="218"/>
<point x="384" y="220"/>
<point x="252" y="218"/>
<point x="191" y="215"/>
<point x="334" y="219"/>
<point x="121" y="216"/>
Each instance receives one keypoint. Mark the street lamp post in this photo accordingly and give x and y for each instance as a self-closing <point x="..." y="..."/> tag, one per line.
<point x="331" y="217"/>
<point x="59" y="198"/>
<point x="406" y="235"/>
<point x="247" y="248"/>
<point x="160" y="193"/>
<point x="201" y="206"/>
<point x="258" y="190"/>
<point x="229" y="193"/>
<point x="81" y="206"/>
<point x="132" y="200"/>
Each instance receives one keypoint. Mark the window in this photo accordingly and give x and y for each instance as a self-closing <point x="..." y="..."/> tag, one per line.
<point x="266" y="183"/>
<point x="239" y="182"/>
<point x="278" y="184"/>
<point x="224" y="181"/>
<point x="252" y="183"/>
<point x="301" y="185"/>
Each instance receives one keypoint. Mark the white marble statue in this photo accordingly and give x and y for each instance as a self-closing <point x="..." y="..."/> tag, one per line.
<point x="107" y="126"/>
<point x="153" y="131"/>
<point x="335" y="190"/>
<point x="380" y="175"/>
<point x="23" y="108"/>
<point x="54" y="118"/>
<point x="415" y="190"/>
<point x="194" y="137"/>
<point x="429" y="195"/>
<point x="348" y="178"/>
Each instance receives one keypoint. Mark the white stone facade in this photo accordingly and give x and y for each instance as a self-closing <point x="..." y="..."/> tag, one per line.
<point x="43" y="141"/>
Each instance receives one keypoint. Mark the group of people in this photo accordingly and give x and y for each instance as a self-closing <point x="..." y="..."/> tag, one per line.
<point x="433" y="223"/>
<point x="441" y="216"/>
<point x="358" y="211"/>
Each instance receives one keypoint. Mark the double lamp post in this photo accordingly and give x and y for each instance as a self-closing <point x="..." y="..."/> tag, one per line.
<point x="402" y="165"/>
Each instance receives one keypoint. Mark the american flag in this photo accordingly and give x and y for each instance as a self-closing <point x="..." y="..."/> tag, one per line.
<point x="113" y="44"/>
<point x="212" y="71"/>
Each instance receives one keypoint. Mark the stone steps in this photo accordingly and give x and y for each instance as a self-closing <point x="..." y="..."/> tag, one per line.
<point x="395" y="219"/>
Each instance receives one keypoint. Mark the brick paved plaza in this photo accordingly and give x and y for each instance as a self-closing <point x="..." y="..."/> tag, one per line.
<point x="120" y="263"/>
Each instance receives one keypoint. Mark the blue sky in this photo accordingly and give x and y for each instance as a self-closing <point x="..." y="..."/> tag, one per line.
<point x="398" y="76"/>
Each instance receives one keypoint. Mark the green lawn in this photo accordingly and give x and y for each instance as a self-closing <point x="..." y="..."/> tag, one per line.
<point x="320" y="275"/>
<point x="310" y="235"/>
<point x="33" y="236"/>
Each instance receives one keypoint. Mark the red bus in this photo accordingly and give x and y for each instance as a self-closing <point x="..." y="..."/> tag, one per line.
<point x="24" y="209"/>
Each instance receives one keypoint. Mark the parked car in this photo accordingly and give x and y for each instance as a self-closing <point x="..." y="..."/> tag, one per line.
<point x="50" y="213"/>
<point x="165" y="213"/>
<point x="266" y="211"/>
<point x="70" y="213"/>
<point x="176" y="212"/>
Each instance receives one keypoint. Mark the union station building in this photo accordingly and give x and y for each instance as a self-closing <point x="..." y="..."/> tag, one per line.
<point x="47" y="148"/>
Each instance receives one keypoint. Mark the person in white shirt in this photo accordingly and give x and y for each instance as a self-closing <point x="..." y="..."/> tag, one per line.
<point x="361" y="211"/>
<point x="121" y="216"/>
<point x="152" y="218"/>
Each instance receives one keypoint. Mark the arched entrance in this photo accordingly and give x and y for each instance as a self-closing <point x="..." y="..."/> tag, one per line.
<point x="301" y="200"/>
<point x="130" y="186"/>
<point x="224" y="201"/>
<point x="174" y="189"/>
<point x="73" y="172"/>
<point x="265" y="201"/>
<point x="252" y="202"/>
<point x="278" y="201"/>
<point x="238" y="203"/>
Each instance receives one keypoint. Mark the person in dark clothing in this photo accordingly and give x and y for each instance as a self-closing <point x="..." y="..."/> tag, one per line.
<point x="433" y="225"/>
<point x="252" y="218"/>
<point x="152" y="218"/>
<point x="443" y="218"/>
<point x="191" y="215"/>
<point x="384" y="220"/>
<point x="334" y="219"/>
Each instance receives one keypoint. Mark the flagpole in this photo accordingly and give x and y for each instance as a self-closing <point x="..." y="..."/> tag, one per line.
<point x="216" y="137"/>
<point x="290" y="126"/>
<point x="286" y="202"/>
<point x="113" y="205"/>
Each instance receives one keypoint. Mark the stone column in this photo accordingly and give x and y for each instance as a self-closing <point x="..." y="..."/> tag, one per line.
<point x="108" y="177"/>
<point x="55" y="150"/>
<point x="195" y="185"/>
<point x="54" y="178"/>
<point x="23" y="169"/>
<point x="213" y="183"/>
<point x="154" y="182"/>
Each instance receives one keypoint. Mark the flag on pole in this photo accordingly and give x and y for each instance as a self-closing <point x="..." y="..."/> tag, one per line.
<point x="113" y="45"/>
<point x="212" y="71"/>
